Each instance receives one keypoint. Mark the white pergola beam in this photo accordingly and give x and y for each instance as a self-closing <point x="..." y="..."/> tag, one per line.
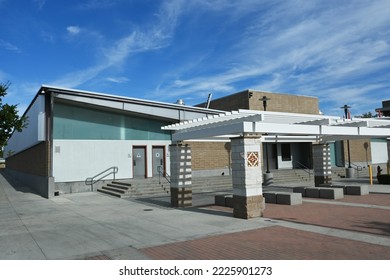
<point x="181" y="135"/>
<point x="300" y="127"/>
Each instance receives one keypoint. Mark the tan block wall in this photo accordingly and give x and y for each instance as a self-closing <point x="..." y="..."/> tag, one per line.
<point x="284" y="103"/>
<point x="360" y="150"/>
<point x="278" y="102"/>
<point x="210" y="155"/>
<point x="35" y="160"/>
<point x="231" y="102"/>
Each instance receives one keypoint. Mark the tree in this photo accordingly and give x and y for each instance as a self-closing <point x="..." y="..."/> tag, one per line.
<point x="10" y="121"/>
<point x="368" y="115"/>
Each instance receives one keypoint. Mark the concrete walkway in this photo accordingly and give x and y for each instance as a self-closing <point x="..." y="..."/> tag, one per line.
<point x="95" y="226"/>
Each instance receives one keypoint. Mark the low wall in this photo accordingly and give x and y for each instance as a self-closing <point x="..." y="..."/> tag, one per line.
<point x="77" y="187"/>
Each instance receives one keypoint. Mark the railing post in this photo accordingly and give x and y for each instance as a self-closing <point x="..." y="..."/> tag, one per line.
<point x="91" y="180"/>
<point x="159" y="174"/>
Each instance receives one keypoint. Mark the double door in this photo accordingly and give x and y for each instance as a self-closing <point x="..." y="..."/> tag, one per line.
<point x="140" y="162"/>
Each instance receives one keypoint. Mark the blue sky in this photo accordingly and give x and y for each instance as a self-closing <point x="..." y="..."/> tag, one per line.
<point x="336" y="50"/>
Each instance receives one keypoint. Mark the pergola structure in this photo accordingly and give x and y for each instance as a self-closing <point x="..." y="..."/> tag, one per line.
<point x="246" y="130"/>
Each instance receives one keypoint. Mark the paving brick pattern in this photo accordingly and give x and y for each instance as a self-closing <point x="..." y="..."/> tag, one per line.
<point x="280" y="243"/>
<point x="272" y="243"/>
<point x="361" y="219"/>
<point x="371" y="199"/>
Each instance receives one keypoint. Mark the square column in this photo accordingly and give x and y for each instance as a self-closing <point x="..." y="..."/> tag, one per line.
<point x="247" y="176"/>
<point x="322" y="165"/>
<point x="181" y="175"/>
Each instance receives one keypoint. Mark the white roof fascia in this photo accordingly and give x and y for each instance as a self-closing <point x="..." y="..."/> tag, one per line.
<point x="286" y="129"/>
<point x="374" y="132"/>
<point x="162" y="110"/>
<point x="118" y="98"/>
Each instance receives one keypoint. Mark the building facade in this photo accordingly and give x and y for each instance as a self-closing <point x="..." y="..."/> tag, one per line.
<point x="385" y="109"/>
<point x="72" y="135"/>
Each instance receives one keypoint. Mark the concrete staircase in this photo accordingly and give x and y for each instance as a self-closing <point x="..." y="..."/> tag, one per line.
<point x="211" y="184"/>
<point x="291" y="175"/>
<point x="117" y="189"/>
<point x="135" y="188"/>
<point x="152" y="188"/>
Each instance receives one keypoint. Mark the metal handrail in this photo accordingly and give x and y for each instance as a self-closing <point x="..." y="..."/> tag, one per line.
<point x="304" y="168"/>
<point x="92" y="180"/>
<point x="162" y="173"/>
<point x="355" y="166"/>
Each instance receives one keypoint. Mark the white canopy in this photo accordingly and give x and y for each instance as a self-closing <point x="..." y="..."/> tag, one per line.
<point x="280" y="127"/>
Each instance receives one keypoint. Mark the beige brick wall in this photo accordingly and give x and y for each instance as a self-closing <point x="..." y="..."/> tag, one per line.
<point x="285" y="103"/>
<point x="232" y="102"/>
<point x="250" y="99"/>
<point x="210" y="155"/>
<point x="360" y="150"/>
<point x="35" y="160"/>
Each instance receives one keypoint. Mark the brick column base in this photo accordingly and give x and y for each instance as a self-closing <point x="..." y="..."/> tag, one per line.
<point x="318" y="180"/>
<point x="246" y="207"/>
<point x="181" y="197"/>
<point x="322" y="165"/>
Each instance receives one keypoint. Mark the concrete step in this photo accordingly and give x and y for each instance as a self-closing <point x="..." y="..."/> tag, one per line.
<point x="112" y="193"/>
<point x="120" y="183"/>
<point x="152" y="187"/>
<point x="113" y="188"/>
<point x="117" y="189"/>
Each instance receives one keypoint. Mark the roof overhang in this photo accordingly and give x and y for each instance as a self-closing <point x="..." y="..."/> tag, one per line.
<point x="279" y="126"/>
<point x="155" y="109"/>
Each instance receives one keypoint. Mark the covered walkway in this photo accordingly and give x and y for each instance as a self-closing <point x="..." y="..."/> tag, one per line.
<point x="247" y="130"/>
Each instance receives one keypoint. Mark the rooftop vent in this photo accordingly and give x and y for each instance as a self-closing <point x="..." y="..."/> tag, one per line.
<point x="180" y="102"/>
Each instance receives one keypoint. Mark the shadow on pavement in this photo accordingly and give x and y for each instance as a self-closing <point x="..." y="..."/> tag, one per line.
<point x="16" y="184"/>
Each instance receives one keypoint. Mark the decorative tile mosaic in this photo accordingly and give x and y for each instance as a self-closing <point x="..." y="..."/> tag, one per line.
<point x="252" y="159"/>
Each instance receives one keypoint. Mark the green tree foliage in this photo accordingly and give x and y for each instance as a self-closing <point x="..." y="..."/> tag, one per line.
<point x="10" y="121"/>
<point x="367" y="115"/>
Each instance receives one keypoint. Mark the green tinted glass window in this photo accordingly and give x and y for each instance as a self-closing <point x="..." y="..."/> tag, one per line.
<point x="74" y="122"/>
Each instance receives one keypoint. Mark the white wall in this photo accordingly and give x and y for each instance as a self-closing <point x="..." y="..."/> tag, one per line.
<point x="379" y="152"/>
<point x="33" y="133"/>
<point x="76" y="160"/>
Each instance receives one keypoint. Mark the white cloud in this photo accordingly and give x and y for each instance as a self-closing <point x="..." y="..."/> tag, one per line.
<point x="9" y="47"/>
<point x="316" y="49"/>
<point x="40" y="3"/>
<point x="118" y="80"/>
<point x="138" y="41"/>
<point x="73" y="30"/>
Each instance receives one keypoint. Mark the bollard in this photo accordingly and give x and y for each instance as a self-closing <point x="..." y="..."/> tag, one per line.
<point x="370" y="172"/>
